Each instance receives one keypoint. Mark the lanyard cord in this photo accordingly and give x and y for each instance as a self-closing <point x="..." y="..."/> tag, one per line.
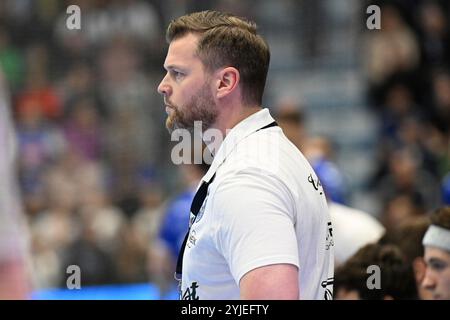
<point x="199" y="198"/>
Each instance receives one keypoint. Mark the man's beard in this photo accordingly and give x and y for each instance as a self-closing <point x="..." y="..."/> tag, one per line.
<point x="201" y="107"/>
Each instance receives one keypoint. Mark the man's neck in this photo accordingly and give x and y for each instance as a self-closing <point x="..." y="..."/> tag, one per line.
<point x="227" y="121"/>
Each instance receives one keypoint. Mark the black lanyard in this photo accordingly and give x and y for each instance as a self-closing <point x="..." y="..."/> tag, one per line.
<point x="197" y="203"/>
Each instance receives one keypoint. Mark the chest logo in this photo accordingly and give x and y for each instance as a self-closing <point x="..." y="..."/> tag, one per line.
<point x="315" y="183"/>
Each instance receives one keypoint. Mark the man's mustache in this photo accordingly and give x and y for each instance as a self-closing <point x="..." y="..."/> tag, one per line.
<point x="168" y="104"/>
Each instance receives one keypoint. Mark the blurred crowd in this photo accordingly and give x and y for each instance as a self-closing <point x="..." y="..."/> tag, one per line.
<point x="92" y="147"/>
<point x="407" y="65"/>
<point x="97" y="184"/>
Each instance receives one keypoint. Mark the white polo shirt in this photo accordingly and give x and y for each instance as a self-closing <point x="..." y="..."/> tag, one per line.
<point x="265" y="206"/>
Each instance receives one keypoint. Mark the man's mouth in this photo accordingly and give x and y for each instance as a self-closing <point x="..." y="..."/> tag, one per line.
<point x="167" y="104"/>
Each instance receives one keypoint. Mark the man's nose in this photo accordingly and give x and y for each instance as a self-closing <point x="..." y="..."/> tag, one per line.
<point x="428" y="281"/>
<point x="164" y="88"/>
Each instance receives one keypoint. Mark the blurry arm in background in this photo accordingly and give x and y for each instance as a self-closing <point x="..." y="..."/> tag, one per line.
<point x="14" y="277"/>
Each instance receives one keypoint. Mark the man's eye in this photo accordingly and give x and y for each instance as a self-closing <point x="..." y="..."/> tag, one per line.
<point x="177" y="75"/>
<point x="437" y="265"/>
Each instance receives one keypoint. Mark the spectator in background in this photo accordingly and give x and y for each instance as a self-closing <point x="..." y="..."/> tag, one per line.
<point x="437" y="139"/>
<point x="393" y="49"/>
<point x="412" y="135"/>
<point x="39" y="93"/>
<point x="146" y="222"/>
<point x="97" y="264"/>
<point x="14" y="235"/>
<point x="83" y="130"/>
<point x="434" y="34"/>
<point x="40" y="144"/>
<point x="130" y="257"/>
<point x="408" y="237"/>
<point x="319" y="151"/>
<point x="400" y="208"/>
<point x="101" y="226"/>
<point x="144" y="228"/>
<point x="102" y="220"/>
<point x="441" y="99"/>
<point x="176" y="220"/>
<point x="437" y="255"/>
<point x="54" y="230"/>
<point x="398" y="104"/>
<point x="79" y="83"/>
<point x="396" y="276"/>
<point x="11" y="60"/>
<point x="40" y="138"/>
<point x="406" y="176"/>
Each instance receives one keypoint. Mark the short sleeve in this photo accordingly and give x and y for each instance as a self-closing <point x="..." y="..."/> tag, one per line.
<point x="256" y="222"/>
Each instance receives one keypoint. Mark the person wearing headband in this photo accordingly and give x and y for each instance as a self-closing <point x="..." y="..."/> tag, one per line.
<point x="437" y="255"/>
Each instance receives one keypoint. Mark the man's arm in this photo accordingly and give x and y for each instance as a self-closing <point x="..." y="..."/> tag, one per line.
<point x="273" y="282"/>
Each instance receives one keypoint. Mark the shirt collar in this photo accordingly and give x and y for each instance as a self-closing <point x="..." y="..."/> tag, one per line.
<point x="234" y="136"/>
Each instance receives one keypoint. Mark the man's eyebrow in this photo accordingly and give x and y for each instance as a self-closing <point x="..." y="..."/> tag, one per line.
<point x="173" y="66"/>
<point x="435" y="260"/>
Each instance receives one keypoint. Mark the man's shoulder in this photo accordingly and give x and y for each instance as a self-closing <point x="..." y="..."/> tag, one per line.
<point x="269" y="151"/>
<point x="252" y="184"/>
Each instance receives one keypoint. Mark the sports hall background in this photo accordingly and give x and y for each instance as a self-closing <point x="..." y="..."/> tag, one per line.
<point x="93" y="155"/>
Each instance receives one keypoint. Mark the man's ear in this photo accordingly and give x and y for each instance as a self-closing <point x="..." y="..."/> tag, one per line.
<point x="419" y="268"/>
<point x="227" y="81"/>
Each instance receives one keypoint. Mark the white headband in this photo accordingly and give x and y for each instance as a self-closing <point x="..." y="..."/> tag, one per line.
<point x="437" y="237"/>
